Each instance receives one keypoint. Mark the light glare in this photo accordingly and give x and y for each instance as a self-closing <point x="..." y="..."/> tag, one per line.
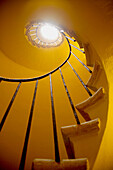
<point x="49" y="32"/>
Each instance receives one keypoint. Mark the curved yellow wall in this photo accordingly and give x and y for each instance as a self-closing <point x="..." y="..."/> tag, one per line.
<point x="97" y="29"/>
<point x="19" y="59"/>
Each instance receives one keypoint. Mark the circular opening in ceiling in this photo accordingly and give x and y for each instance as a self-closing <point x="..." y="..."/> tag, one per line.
<point x="49" y="32"/>
<point x="43" y="35"/>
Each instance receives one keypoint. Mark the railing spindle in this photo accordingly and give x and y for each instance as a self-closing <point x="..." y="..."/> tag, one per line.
<point x="78" y="48"/>
<point x="35" y="38"/>
<point x="9" y="106"/>
<point x="67" y="36"/>
<point x="57" y="155"/>
<point x="81" y="62"/>
<point x="72" y="105"/>
<point x="70" y="38"/>
<point x="24" y="152"/>
<point x="88" y="91"/>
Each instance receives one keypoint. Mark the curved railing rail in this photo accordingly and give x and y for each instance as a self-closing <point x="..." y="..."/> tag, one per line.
<point x="39" y="77"/>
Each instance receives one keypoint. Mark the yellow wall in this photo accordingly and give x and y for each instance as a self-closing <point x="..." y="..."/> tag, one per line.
<point x="97" y="27"/>
<point x="19" y="59"/>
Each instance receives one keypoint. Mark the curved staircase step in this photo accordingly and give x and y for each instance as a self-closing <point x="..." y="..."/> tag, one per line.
<point x="72" y="33"/>
<point x="66" y="164"/>
<point x="77" y="130"/>
<point x="82" y="129"/>
<point x="79" y="42"/>
<point x="95" y="73"/>
<point x="88" y="52"/>
<point x="91" y="100"/>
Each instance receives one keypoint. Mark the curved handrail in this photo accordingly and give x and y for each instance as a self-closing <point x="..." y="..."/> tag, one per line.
<point x="43" y="76"/>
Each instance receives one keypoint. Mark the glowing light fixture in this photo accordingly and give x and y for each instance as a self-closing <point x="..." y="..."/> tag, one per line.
<point x="44" y="35"/>
<point x="49" y="32"/>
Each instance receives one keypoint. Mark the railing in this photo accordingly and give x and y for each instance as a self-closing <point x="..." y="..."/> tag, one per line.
<point x="2" y="123"/>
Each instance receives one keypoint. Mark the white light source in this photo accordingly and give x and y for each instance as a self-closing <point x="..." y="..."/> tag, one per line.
<point x="49" y="32"/>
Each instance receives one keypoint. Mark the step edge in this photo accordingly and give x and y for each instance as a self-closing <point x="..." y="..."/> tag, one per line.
<point x="83" y="129"/>
<point x="91" y="100"/>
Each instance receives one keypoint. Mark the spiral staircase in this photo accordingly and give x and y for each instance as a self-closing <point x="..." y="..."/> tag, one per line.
<point x="90" y="126"/>
<point x="86" y="125"/>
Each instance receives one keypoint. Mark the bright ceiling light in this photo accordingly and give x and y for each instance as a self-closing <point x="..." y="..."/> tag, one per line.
<point x="49" y="32"/>
<point x="44" y="35"/>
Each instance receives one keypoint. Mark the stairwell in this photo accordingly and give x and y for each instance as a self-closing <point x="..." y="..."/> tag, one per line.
<point x="81" y="141"/>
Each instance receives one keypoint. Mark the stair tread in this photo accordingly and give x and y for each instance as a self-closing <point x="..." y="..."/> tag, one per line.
<point x="91" y="100"/>
<point x="72" y="33"/>
<point x="79" y="42"/>
<point x="65" y="164"/>
<point x="82" y="129"/>
<point x="95" y="73"/>
<point x="88" y="52"/>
